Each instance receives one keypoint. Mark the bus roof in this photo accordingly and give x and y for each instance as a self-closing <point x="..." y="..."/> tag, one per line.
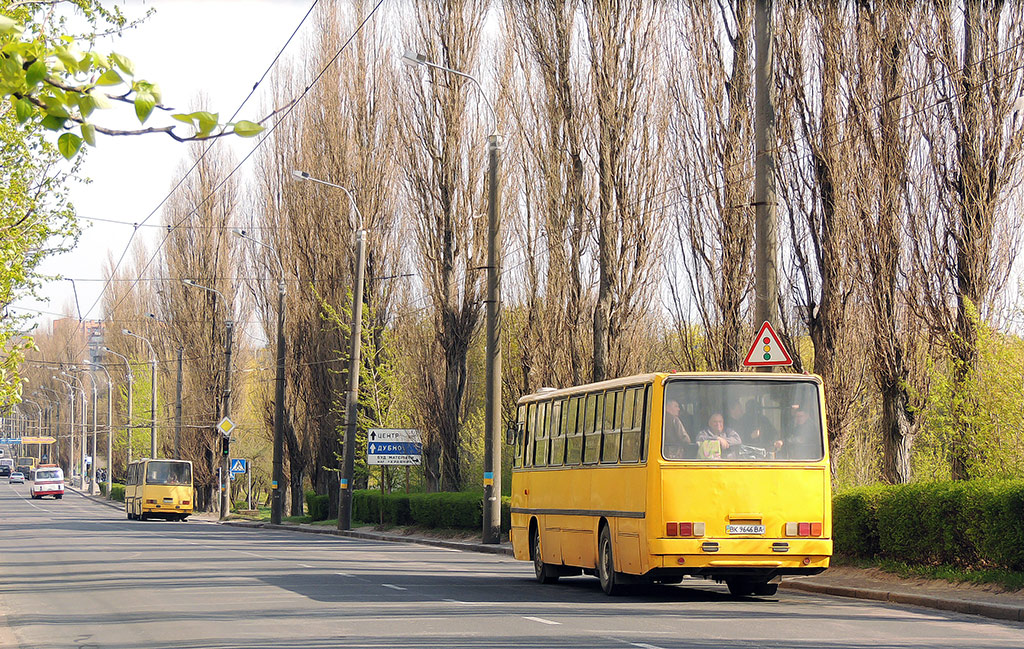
<point x="641" y="379"/>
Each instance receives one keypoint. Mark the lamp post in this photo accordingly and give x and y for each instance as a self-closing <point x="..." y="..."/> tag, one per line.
<point x="277" y="477"/>
<point x="128" y="425"/>
<point x="71" y="427"/>
<point x="110" y="427"/>
<point x="352" y="396"/>
<point x="152" y="391"/>
<point x="225" y="506"/>
<point x="492" y="415"/>
<point x="86" y="450"/>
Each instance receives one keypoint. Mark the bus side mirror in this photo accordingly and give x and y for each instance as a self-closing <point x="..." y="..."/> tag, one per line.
<point x="512" y="433"/>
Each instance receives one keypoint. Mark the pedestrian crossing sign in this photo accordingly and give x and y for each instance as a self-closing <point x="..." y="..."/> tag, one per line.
<point x="238" y="465"/>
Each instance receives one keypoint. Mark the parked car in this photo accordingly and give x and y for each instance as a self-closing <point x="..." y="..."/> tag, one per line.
<point x="16" y="477"/>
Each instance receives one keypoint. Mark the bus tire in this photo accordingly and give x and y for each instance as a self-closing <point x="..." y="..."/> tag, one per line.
<point x="546" y="574"/>
<point x="611" y="581"/>
<point x="59" y="496"/>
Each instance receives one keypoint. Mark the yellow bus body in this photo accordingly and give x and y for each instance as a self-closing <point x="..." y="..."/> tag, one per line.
<point x="567" y="507"/>
<point x="171" y="501"/>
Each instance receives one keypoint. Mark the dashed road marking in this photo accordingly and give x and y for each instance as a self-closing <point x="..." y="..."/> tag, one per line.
<point x="393" y="587"/>
<point x="540" y="619"/>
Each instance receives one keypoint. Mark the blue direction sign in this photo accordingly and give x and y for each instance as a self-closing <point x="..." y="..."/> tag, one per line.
<point x="393" y="446"/>
<point x="238" y="465"/>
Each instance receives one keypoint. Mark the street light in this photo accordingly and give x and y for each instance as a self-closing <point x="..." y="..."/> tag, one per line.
<point x="225" y="506"/>
<point x="492" y="416"/>
<point x="152" y="390"/>
<point x="71" y="427"/>
<point x="277" y="477"/>
<point x="352" y="397"/>
<point x="95" y="425"/>
<point x="129" y="424"/>
<point x="110" y="428"/>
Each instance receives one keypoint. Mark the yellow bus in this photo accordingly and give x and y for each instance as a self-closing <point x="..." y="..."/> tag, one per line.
<point x="650" y="478"/>
<point x="159" y="489"/>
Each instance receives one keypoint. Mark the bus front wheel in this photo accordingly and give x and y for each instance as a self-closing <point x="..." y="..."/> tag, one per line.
<point x="545" y="573"/>
<point x="611" y="581"/>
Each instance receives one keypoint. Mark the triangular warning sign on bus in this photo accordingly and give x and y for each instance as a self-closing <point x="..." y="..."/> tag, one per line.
<point x="767" y="350"/>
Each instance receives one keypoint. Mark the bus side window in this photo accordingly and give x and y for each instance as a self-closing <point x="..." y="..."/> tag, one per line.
<point x="517" y="455"/>
<point x="531" y="430"/>
<point x="612" y="427"/>
<point x="541" y="443"/>
<point x="631" y="421"/>
<point x="557" y="434"/>
<point x="592" y="428"/>
<point x="644" y="412"/>
<point x="574" y="437"/>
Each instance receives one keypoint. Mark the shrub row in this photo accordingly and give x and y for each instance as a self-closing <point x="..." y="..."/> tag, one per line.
<point x="971" y="523"/>
<point x="462" y="510"/>
<point x="317" y="507"/>
<point x="116" y="490"/>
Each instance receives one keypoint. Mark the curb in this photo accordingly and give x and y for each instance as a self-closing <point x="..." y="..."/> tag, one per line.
<point x="96" y="499"/>
<point x="984" y="609"/>
<point x="503" y="549"/>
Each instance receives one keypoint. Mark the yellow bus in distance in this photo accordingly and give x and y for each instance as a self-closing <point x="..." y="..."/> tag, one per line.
<point x="655" y="477"/>
<point x="159" y="489"/>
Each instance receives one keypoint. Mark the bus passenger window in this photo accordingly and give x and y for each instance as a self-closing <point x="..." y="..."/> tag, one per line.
<point x="540" y="444"/>
<point x="592" y="428"/>
<point x="557" y="434"/>
<point x="517" y="452"/>
<point x="644" y="412"/>
<point x="612" y="427"/>
<point x="631" y="420"/>
<point x="531" y="431"/>
<point x="574" y="436"/>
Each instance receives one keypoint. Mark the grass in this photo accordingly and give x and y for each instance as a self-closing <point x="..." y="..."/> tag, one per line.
<point x="1007" y="579"/>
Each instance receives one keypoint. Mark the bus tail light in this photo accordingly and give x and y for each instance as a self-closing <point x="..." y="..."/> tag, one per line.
<point x="150" y="501"/>
<point x="803" y="529"/>
<point x="189" y="502"/>
<point x="684" y="529"/>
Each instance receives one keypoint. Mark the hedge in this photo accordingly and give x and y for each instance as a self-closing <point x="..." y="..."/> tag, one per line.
<point x="459" y="510"/>
<point x="970" y="523"/>
<point x="116" y="490"/>
<point x="317" y="507"/>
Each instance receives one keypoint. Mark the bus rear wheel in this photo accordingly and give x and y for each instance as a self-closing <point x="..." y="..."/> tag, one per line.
<point x="546" y="574"/>
<point x="611" y="581"/>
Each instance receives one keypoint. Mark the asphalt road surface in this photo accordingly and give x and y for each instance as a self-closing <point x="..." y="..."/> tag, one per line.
<point x="77" y="574"/>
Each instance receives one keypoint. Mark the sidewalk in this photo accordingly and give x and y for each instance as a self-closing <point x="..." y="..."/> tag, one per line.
<point x="841" y="581"/>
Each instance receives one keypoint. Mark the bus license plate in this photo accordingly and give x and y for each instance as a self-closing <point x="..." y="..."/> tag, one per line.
<point x="745" y="529"/>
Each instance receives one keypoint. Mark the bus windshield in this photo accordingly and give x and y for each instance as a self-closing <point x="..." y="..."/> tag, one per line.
<point x="160" y="472"/>
<point x="742" y="420"/>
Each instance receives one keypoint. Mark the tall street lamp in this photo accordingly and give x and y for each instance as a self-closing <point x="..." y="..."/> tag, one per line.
<point x="352" y="396"/>
<point x="128" y="430"/>
<point x="225" y="487"/>
<point x="277" y="478"/>
<point x="71" y="427"/>
<point x="110" y="427"/>
<point x="86" y="452"/>
<point x="152" y="391"/>
<point x="492" y="409"/>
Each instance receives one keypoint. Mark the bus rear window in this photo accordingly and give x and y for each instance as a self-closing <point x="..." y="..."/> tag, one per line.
<point x="748" y="420"/>
<point x="168" y="473"/>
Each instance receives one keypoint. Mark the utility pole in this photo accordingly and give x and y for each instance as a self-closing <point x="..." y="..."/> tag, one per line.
<point x="177" y="410"/>
<point x="225" y="481"/>
<point x="492" y="409"/>
<point x="152" y="407"/>
<point x="352" y="397"/>
<point x="95" y="426"/>
<point x="766" y="283"/>
<point x="277" y="477"/>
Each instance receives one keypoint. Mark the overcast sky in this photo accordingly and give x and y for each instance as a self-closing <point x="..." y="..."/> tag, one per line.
<point x="218" y="48"/>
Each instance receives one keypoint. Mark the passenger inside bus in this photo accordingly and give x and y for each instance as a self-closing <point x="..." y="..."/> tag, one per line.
<point x="716" y="440"/>
<point x="677" y="441"/>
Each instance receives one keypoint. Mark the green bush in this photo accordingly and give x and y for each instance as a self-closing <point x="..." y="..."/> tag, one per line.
<point x="971" y="523"/>
<point x="446" y="510"/>
<point x="116" y="491"/>
<point x="317" y="507"/>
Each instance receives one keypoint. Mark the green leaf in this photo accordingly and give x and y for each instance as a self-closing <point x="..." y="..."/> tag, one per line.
<point x="144" y="104"/>
<point x="184" y="117"/>
<point x="10" y="69"/>
<point x="99" y="60"/>
<point x="109" y="78"/>
<point x="86" y="104"/>
<point x="124" y="63"/>
<point x="246" y="128"/>
<point x="69" y="144"/>
<point x="24" y="109"/>
<point x="66" y="57"/>
<point x="36" y="73"/>
<point x="100" y="99"/>
<point x="89" y="134"/>
<point x="10" y="25"/>
<point x="53" y="122"/>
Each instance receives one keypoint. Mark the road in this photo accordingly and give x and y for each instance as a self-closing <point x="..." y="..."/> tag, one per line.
<point x="76" y="574"/>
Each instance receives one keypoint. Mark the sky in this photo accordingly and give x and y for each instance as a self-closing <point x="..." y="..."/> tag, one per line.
<point x="215" y="48"/>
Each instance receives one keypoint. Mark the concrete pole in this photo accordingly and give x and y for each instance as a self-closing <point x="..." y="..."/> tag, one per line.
<point x="177" y="408"/>
<point x="277" y="477"/>
<point x="95" y="426"/>
<point x="766" y="284"/>
<point x="225" y="506"/>
<point x="352" y="396"/>
<point x="492" y="399"/>
<point x="152" y="408"/>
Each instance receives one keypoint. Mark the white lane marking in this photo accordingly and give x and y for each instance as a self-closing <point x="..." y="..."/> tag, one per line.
<point x="540" y="619"/>
<point x="303" y="565"/>
<point x="643" y="645"/>
<point x="393" y="587"/>
<point x="343" y="574"/>
<point x="253" y="554"/>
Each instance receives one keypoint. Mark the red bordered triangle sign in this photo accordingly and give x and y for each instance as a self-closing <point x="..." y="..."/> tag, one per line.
<point x="767" y="349"/>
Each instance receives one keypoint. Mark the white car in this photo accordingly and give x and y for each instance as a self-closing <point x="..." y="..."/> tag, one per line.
<point x="48" y="480"/>
<point x="16" y="477"/>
